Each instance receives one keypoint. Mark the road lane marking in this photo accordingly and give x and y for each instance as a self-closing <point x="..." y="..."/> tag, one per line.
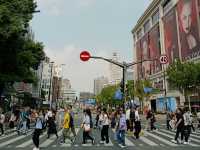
<point x="49" y="141"/>
<point x="14" y="140"/>
<point x="147" y="141"/>
<point x="198" y="141"/>
<point x="161" y="139"/>
<point x="167" y="135"/>
<point x="29" y="142"/>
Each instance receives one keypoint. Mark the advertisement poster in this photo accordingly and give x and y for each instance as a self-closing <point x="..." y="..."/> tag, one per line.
<point x="168" y="103"/>
<point x="188" y="29"/>
<point x="139" y="58"/>
<point x="171" y="36"/>
<point x="154" y="48"/>
<point x="145" y="56"/>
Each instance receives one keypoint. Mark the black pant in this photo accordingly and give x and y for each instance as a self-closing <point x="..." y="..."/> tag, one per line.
<point x="128" y="124"/>
<point x="187" y="131"/>
<point x="36" y="136"/>
<point x="137" y="129"/>
<point x="28" y="123"/>
<point x="152" y="125"/>
<point x="178" y="131"/>
<point x="2" y="130"/>
<point x="168" y="125"/>
<point x="86" y="136"/>
<point x="104" y="133"/>
<point x="131" y="124"/>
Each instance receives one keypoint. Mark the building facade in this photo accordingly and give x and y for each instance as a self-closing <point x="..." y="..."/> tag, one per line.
<point x="171" y="28"/>
<point x="99" y="84"/>
<point x="115" y="71"/>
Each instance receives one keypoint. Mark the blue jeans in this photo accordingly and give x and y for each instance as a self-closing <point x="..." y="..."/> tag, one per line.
<point x="121" y="137"/>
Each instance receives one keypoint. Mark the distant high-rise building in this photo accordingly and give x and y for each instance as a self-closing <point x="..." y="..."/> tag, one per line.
<point x="115" y="71"/>
<point x="129" y="75"/>
<point x="86" y="95"/>
<point x="99" y="84"/>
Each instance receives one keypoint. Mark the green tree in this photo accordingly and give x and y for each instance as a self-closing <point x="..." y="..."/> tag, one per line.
<point x="107" y="96"/>
<point x="19" y="53"/>
<point x="184" y="76"/>
<point x="139" y="90"/>
<point x="130" y="89"/>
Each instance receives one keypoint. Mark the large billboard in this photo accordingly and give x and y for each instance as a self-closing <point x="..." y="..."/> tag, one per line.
<point x="171" y="36"/>
<point x="144" y="42"/>
<point x="154" y="49"/>
<point x="188" y="29"/>
<point x="139" y="58"/>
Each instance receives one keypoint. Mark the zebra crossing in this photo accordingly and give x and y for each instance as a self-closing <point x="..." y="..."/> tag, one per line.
<point x="157" y="138"/>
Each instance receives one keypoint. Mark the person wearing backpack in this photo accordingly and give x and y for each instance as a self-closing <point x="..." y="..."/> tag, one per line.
<point x="87" y="126"/>
<point x="38" y="129"/>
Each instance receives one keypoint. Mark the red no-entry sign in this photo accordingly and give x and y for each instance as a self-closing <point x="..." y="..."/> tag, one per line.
<point x="85" y="56"/>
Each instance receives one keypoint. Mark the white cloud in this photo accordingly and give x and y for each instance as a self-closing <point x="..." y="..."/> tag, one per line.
<point x="81" y="74"/>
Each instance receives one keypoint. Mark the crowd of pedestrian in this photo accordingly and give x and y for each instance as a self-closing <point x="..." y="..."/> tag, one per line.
<point x="120" y="120"/>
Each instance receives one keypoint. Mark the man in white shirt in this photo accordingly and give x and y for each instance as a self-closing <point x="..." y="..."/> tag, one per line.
<point x="137" y="123"/>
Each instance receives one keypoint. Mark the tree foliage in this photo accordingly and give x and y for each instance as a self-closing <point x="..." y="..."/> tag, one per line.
<point x="130" y="89"/>
<point x="107" y="95"/>
<point x="19" y="53"/>
<point x="184" y="76"/>
<point x="139" y="89"/>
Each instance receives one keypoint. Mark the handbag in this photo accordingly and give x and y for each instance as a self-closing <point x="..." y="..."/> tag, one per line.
<point x="86" y="127"/>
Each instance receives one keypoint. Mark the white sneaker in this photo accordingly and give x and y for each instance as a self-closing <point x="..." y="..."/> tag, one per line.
<point x="35" y="148"/>
<point x="186" y="143"/>
<point x="122" y="146"/>
<point x="101" y="142"/>
<point x="174" y="141"/>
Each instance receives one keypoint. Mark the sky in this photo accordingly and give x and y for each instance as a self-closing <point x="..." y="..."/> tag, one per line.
<point x="67" y="27"/>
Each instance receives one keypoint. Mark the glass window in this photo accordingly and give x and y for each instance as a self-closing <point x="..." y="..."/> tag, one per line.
<point x="147" y="26"/>
<point x="155" y="17"/>
<point x="139" y="34"/>
<point x="167" y="5"/>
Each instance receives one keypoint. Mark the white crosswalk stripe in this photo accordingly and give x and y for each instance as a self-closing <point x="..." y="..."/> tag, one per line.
<point x="28" y="143"/>
<point x="49" y="141"/>
<point x="156" y="138"/>
<point x="193" y="139"/>
<point x="14" y="140"/>
<point x="169" y="136"/>
<point x="147" y="141"/>
<point x="161" y="139"/>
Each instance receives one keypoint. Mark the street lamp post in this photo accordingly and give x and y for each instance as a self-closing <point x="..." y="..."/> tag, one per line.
<point x="124" y="66"/>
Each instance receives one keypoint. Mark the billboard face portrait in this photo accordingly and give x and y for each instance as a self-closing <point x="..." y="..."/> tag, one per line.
<point x="154" y="49"/>
<point x="171" y="36"/>
<point x="145" y="56"/>
<point x="188" y="29"/>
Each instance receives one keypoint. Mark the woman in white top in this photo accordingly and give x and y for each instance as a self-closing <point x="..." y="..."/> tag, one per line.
<point x="105" y="123"/>
<point x="38" y="129"/>
<point x="87" y="125"/>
